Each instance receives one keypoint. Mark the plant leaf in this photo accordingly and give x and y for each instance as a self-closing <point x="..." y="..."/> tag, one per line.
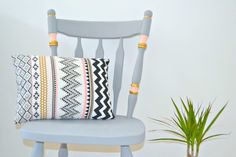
<point x="160" y="121"/>
<point x="214" y="119"/>
<point x="186" y="109"/>
<point x="179" y="117"/>
<point x="168" y="140"/>
<point x="202" y="123"/>
<point x="213" y="136"/>
<point x="175" y="133"/>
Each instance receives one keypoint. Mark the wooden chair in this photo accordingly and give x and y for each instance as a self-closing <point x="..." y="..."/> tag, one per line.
<point x="123" y="130"/>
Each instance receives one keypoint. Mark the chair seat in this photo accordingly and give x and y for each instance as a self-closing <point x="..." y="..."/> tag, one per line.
<point x="118" y="131"/>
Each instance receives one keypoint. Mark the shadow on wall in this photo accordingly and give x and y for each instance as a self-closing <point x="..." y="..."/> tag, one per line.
<point x="29" y="40"/>
<point x="16" y="36"/>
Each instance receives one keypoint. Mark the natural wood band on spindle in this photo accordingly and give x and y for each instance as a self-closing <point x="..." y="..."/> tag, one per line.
<point x="147" y="17"/>
<point x="51" y="14"/>
<point x="135" y="85"/>
<point x="134" y="88"/>
<point x="132" y="92"/>
<point x="53" y="43"/>
<point x="142" y="45"/>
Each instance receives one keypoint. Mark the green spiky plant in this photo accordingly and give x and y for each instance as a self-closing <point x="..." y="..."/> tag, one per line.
<point x="190" y="126"/>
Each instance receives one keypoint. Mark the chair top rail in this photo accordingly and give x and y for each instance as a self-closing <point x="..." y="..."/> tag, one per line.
<point x="94" y="29"/>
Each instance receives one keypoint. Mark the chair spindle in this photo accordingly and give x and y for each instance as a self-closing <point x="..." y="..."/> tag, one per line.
<point x="63" y="151"/>
<point x="118" y="72"/>
<point x="126" y="152"/>
<point x="79" y="50"/>
<point x="52" y="31"/>
<point x="38" y="150"/>
<point x="100" y="51"/>
<point x="145" y="30"/>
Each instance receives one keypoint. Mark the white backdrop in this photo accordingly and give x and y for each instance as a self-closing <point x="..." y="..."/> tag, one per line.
<point x="191" y="52"/>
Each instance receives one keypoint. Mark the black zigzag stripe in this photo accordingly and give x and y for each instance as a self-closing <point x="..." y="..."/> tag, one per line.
<point x="98" y="90"/>
<point x="106" y="101"/>
<point x="70" y="88"/>
<point x="106" y="92"/>
<point x="102" y="91"/>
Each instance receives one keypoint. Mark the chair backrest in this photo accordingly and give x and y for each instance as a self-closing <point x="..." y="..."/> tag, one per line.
<point x="106" y="30"/>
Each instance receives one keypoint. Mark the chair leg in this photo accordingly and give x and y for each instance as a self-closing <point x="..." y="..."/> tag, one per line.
<point x="38" y="150"/>
<point x="126" y="152"/>
<point x="63" y="151"/>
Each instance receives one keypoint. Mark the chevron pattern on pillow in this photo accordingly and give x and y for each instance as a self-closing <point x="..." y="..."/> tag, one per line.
<point x="51" y="87"/>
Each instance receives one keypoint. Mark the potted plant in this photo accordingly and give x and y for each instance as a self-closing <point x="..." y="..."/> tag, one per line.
<point x="190" y="126"/>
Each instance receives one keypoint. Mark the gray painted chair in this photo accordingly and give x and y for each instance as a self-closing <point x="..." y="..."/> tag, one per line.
<point x="123" y="130"/>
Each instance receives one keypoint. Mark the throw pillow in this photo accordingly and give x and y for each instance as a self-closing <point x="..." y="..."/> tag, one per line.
<point x="51" y="87"/>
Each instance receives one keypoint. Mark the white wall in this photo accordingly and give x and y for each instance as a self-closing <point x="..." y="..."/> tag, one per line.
<point x="191" y="52"/>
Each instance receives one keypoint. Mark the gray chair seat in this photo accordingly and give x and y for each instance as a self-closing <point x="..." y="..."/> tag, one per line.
<point x="119" y="131"/>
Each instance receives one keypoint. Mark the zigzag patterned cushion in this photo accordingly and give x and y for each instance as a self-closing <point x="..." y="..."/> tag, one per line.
<point x="51" y="87"/>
